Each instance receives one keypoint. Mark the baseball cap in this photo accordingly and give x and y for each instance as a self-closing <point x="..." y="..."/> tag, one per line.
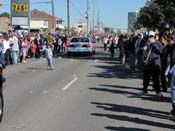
<point x="151" y="33"/>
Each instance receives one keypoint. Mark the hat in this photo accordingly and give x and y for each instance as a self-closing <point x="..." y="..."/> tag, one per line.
<point x="151" y="33"/>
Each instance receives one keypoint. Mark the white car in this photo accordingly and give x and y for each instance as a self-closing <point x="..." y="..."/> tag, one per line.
<point x="84" y="45"/>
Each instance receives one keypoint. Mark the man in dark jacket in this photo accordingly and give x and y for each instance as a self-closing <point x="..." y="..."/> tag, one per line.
<point x="152" y="65"/>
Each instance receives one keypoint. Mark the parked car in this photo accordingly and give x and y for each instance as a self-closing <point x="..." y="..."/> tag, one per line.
<point x="84" y="45"/>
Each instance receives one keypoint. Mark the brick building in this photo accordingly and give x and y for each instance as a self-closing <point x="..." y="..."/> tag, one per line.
<point x="41" y="20"/>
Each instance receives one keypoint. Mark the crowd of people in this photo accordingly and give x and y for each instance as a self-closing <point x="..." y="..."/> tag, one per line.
<point x="18" y="47"/>
<point x="152" y="54"/>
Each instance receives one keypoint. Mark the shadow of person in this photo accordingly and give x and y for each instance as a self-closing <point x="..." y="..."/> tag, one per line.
<point x="124" y="129"/>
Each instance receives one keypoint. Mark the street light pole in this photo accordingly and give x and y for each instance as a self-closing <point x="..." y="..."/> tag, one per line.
<point x="68" y="16"/>
<point x="53" y="15"/>
<point x="87" y="17"/>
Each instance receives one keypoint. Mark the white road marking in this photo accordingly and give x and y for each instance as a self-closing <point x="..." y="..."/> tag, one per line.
<point x="70" y="83"/>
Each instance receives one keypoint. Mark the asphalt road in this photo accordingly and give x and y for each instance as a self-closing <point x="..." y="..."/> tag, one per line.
<point x="81" y="94"/>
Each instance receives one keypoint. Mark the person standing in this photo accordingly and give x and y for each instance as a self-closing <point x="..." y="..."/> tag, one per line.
<point x="24" y="47"/>
<point x="112" y="46"/>
<point x="131" y="48"/>
<point x="164" y="61"/>
<point x="14" y="47"/>
<point x="140" y="43"/>
<point x="33" y="48"/>
<point x="152" y="65"/>
<point x="49" y="56"/>
<point x="105" y="42"/>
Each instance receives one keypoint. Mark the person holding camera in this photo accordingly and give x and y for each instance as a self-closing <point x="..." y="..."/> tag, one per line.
<point x="152" y="66"/>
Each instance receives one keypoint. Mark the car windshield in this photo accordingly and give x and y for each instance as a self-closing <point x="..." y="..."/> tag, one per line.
<point x="79" y="40"/>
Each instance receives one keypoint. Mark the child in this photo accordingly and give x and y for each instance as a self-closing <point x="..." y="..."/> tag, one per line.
<point x="33" y="48"/>
<point x="49" y="56"/>
<point x="24" y="47"/>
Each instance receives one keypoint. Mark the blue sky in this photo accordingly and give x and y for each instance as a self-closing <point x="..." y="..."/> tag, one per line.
<point x="112" y="13"/>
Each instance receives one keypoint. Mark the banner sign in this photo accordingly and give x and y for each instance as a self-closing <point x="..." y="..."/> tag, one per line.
<point x="20" y="12"/>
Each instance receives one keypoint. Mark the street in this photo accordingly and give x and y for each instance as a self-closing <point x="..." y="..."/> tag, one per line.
<point x="93" y="93"/>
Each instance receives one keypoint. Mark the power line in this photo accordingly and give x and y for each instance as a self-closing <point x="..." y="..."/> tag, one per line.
<point x="33" y="3"/>
<point x="76" y="8"/>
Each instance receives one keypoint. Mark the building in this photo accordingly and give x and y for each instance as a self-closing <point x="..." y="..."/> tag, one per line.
<point x="132" y="18"/>
<point x="80" y="25"/>
<point x="60" y="24"/>
<point x="41" y="21"/>
<point x="4" y="24"/>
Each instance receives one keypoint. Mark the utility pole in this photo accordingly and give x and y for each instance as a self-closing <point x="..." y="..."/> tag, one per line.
<point x="87" y="17"/>
<point x="98" y="21"/>
<point x="93" y="19"/>
<point x="53" y="15"/>
<point x="68" y="16"/>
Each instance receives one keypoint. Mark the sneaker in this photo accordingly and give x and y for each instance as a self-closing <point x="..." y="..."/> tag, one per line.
<point x="24" y="61"/>
<point x="142" y="93"/>
<point x="160" y="95"/>
<point x="50" y="68"/>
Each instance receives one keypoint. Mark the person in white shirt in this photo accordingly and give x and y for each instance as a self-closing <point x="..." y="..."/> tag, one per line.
<point x="14" y="47"/>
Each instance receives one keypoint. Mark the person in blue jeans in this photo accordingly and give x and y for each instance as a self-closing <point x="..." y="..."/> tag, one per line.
<point x="49" y="56"/>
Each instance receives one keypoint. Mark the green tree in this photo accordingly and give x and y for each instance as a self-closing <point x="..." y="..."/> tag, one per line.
<point x="150" y="17"/>
<point x="168" y="9"/>
<point x="157" y="14"/>
<point x="5" y="14"/>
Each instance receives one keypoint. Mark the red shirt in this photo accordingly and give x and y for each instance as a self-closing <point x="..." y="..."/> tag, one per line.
<point x="33" y="48"/>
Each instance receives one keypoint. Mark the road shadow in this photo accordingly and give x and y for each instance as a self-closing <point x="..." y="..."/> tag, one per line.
<point x="135" y="120"/>
<point x="124" y="129"/>
<point x="115" y="71"/>
<point x="132" y="110"/>
<point x="114" y="91"/>
<point x="125" y="90"/>
<point x="35" y="68"/>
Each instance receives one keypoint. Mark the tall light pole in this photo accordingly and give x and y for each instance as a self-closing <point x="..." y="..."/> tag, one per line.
<point x="53" y="15"/>
<point x="87" y="16"/>
<point x="68" y="16"/>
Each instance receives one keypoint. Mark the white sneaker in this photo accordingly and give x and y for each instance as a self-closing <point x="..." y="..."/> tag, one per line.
<point x="142" y="93"/>
<point x="24" y="61"/>
<point x="160" y="95"/>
